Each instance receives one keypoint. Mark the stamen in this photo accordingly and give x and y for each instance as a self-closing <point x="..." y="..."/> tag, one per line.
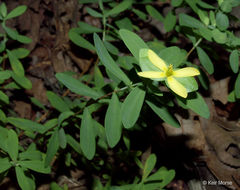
<point x="169" y="71"/>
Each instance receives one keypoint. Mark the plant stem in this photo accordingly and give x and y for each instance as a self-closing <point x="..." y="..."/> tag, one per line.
<point x="195" y="45"/>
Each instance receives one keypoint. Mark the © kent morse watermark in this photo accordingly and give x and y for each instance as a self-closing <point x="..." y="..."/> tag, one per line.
<point x="216" y="182"/>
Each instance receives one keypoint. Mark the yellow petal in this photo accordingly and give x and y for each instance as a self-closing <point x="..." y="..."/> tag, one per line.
<point x="152" y="74"/>
<point x="177" y="87"/>
<point x="186" y="72"/>
<point x="156" y="60"/>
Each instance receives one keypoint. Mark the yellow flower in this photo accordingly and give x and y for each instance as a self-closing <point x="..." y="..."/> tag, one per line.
<point x="167" y="73"/>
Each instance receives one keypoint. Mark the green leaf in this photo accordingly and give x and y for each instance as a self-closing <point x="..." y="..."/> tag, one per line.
<point x="4" y="164"/>
<point x="94" y="13"/>
<point x="203" y="15"/>
<point x="155" y="13"/>
<point x="80" y="41"/>
<point x="113" y="124"/>
<point x="206" y="33"/>
<point x="131" y="107"/>
<point x="3" y="137"/>
<point x="4" y="98"/>
<point x="15" y="64"/>
<point x="133" y="42"/>
<point x="186" y="20"/>
<point x="23" y="181"/>
<point x="37" y="103"/>
<point x="98" y="78"/>
<point x="73" y="143"/>
<point x="226" y="6"/>
<point x="196" y="103"/>
<point x="21" y="53"/>
<point x="159" y="179"/>
<point x="12" y="144"/>
<point x="10" y="32"/>
<point x="170" y="21"/>
<point x="62" y="138"/>
<point x="57" y="102"/>
<point x="52" y="148"/>
<point x="76" y="86"/>
<point x="87" y="135"/>
<point x="26" y="124"/>
<point x="85" y="28"/>
<point x="177" y="59"/>
<point x="203" y="79"/>
<point x="219" y="37"/>
<point x="124" y="23"/>
<point x="35" y="165"/>
<point x="237" y="86"/>
<point x="140" y="14"/>
<point x="5" y="75"/>
<point x="163" y="113"/>
<point x="3" y="9"/>
<point x="111" y="48"/>
<point x="108" y="62"/>
<point x="231" y="97"/>
<point x="23" y="39"/>
<point x="149" y="165"/>
<point x="205" y="60"/>
<point x="30" y="155"/>
<point x="63" y="116"/>
<point x="234" y="61"/>
<point x="205" y="5"/>
<point x="176" y="3"/>
<point x="3" y="117"/>
<point x="222" y="21"/>
<point x="212" y="18"/>
<point x="22" y="81"/>
<point x="119" y="8"/>
<point x="17" y="12"/>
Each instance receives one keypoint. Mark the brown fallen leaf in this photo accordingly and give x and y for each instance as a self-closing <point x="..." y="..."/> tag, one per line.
<point x="38" y="90"/>
<point x="219" y="90"/>
<point x="23" y="109"/>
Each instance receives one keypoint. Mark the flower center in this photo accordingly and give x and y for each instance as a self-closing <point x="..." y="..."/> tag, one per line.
<point x="169" y="71"/>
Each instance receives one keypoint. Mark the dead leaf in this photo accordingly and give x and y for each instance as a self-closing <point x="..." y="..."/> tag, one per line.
<point x="219" y="90"/>
<point x="38" y="90"/>
<point x="23" y="109"/>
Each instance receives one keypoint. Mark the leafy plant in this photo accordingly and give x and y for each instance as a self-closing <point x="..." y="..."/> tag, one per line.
<point x="111" y="102"/>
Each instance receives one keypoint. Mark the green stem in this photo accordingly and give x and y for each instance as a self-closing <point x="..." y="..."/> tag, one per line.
<point x="195" y="45"/>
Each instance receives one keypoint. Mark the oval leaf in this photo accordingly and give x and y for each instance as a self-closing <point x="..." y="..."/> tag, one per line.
<point x="35" y="165"/>
<point x="237" y="86"/>
<point x="108" y="62"/>
<point x="196" y="103"/>
<point x="22" y="179"/>
<point x="26" y="124"/>
<point x="76" y="86"/>
<point x="149" y="165"/>
<point x="52" y="148"/>
<point x="12" y="145"/>
<point x="133" y="42"/>
<point x="234" y="61"/>
<point x="87" y="135"/>
<point x="163" y="113"/>
<point x="57" y="102"/>
<point x="205" y="60"/>
<point x="113" y="124"/>
<point x="131" y="107"/>
<point x="4" y="164"/>
<point x="17" y="11"/>
<point x="15" y="64"/>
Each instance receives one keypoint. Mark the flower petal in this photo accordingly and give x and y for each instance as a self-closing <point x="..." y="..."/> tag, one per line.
<point x="156" y="60"/>
<point x="177" y="87"/>
<point x="186" y="72"/>
<point x="152" y="74"/>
